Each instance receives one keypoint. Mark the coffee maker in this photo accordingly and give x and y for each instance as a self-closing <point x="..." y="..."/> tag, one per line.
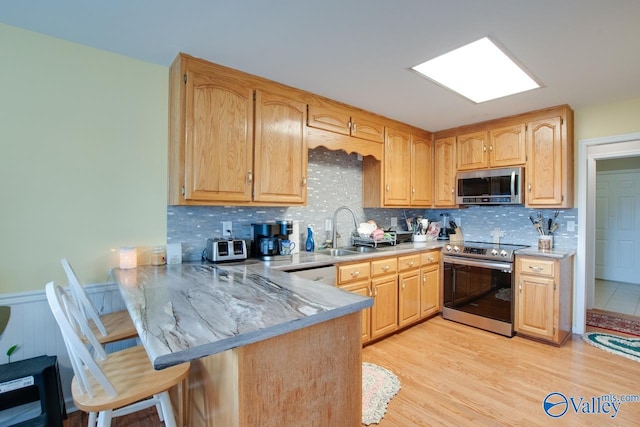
<point x="267" y="238"/>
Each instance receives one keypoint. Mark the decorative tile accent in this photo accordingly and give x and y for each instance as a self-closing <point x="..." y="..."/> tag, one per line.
<point x="335" y="179"/>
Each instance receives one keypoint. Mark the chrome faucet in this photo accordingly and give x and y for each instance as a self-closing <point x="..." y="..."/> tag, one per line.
<point x="334" y="224"/>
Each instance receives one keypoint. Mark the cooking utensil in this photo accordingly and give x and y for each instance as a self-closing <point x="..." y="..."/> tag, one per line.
<point x="554" y="228"/>
<point x="549" y="224"/>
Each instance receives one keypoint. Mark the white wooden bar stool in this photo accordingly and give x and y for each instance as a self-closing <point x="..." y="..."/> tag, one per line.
<point x="110" y="327"/>
<point x="113" y="384"/>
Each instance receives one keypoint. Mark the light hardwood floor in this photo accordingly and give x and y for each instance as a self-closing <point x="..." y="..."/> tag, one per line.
<point x="453" y="374"/>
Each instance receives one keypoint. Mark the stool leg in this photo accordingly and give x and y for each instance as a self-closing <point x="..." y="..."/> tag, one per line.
<point x="167" y="410"/>
<point x="93" y="419"/>
<point x="104" y="418"/>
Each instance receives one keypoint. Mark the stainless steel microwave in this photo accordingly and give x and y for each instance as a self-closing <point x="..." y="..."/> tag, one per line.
<point x="491" y="187"/>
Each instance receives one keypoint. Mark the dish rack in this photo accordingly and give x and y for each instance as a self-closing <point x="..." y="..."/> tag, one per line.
<point x="367" y="240"/>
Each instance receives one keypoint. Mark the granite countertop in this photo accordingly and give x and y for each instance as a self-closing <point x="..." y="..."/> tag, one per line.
<point x="558" y="253"/>
<point x="187" y="311"/>
<point x="302" y="260"/>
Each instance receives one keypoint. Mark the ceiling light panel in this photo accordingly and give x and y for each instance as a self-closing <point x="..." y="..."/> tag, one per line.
<point x="479" y="71"/>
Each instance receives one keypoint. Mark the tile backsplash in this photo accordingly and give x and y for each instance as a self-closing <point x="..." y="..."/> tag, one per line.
<point x="335" y="179"/>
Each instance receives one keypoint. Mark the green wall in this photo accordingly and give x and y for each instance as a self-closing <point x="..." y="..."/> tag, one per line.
<point x="83" y="143"/>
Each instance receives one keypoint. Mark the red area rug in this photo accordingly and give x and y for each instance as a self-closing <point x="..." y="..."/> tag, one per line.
<point x="614" y="322"/>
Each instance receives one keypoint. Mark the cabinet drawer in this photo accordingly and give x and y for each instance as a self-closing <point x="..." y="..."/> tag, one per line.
<point x="431" y="257"/>
<point x="384" y="266"/>
<point x="408" y="262"/>
<point x="351" y="272"/>
<point x="540" y="267"/>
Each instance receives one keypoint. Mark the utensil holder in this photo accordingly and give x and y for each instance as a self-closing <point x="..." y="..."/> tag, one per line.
<point x="545" y="243"/>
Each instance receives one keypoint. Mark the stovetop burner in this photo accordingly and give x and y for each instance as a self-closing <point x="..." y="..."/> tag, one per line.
<point x="482" y="250"/>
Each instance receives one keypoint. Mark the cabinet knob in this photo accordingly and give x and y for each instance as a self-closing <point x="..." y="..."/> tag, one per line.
<point x="452" y="190"/>
<point x="536" y="268"/>
<point x="375" y="292"/>
<point x="529" y="187"/>
<point x="491" y="148"/>
<point x="410" y="264"/>
<point x="385" y="267"/>
<point x="413" y="189"/>
<point x="424" y="278"/>
<point x="354" y="127"/>
<point x="430" y="259"/>
<point x="349" y="125"/>
<point x="388" y="188"/>
<point x="355" y="273"/>
<point x="403" y="284"/>
<point x="484" y="148"/>
<point x="304" y="181"/>
<point x="249" y="177"/>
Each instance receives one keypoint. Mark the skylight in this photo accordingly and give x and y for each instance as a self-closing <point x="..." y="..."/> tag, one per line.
<point x="479" y="71"/>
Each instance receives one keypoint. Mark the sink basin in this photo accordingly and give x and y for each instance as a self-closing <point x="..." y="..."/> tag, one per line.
<point x="360" y="249"/>
<point x="349" y="250"/>
<point x="337" y="252"/>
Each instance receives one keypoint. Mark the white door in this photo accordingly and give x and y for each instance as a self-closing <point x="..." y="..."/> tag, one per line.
<point x="618" y="226"/>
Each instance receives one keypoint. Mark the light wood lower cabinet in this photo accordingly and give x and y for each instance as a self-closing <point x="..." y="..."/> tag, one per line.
<point x="543" y="302"/>
<point x="405" y="290"/>
<point x="430" y="284"/>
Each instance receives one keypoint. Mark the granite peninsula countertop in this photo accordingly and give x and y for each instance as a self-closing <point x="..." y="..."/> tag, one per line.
<point x="187" y="311"/>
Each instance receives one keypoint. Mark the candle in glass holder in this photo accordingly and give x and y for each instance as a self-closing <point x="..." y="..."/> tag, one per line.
<point x="128" y="258"/>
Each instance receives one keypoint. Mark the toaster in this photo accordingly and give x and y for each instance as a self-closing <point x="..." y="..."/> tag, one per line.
<point x="219" y="250"/>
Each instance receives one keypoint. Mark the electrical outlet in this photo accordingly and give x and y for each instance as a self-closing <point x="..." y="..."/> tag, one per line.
<point x="227" y="229"/>
<point x="394" y="221"/>
<point x="571" y="226"/>
<point x="458" y="221"/>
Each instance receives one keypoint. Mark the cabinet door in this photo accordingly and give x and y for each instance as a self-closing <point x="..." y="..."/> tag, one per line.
<point x="331" y="119"/>
<point x="421" y="171"/>
<point x="507" y="146"/>
<point x="535" y="308"/>
<point x="280" y="150"/>
<point x="545" y="173"/>
<point x="219" y="139"/>
<point x="364" y="128"/>
<point x="384" y="313"/>
<point x="362" y="288"/>
<point x="397" y="176"/>
<point x="429" y="290"/>
<point x="445" y="168"/>
<point x="409" y="297"/>
<point x="472" y="151"/>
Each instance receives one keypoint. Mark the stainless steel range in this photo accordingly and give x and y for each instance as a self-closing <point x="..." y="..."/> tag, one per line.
<point x="479" y="285"/>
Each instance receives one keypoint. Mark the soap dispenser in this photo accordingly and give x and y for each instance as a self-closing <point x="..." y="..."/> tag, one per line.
<point x="310" y="245"/>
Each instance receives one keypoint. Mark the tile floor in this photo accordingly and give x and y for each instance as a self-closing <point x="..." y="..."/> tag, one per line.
<point x="618" y="297"/>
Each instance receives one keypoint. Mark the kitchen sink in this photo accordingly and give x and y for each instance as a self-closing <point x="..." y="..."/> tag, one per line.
<point x="349" y="250"/>
<point x="337" y="252"/>
<point x="361" y="249"/>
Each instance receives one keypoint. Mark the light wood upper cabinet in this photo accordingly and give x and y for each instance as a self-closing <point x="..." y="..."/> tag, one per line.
<point x="397" y="174"/>
<point x="471" y="150"/>
<point x="230" y="142"/>
<point x="421" y="170"/>
<point x="445" y="176"/>
<point x="499" y="147"/>
<point x="345" y="122"/>
<point x="218" y="139"/>
<point x="280" y="150"/>
<point x="549" y="172"/>
<point x="507" y="146"/>
<point x="404" y="177"/>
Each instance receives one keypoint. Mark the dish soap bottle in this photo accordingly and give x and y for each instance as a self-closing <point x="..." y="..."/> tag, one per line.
<point x="309" y="245"/>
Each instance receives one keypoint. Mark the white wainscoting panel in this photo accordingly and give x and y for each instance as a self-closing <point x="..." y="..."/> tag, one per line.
<point x="33" y="328"/>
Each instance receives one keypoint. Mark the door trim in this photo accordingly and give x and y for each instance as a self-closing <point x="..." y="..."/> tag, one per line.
<point x="590" y="150"/>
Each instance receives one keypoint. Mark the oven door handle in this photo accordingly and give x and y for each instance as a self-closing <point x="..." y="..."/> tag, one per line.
<point x="504" y="266"/>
